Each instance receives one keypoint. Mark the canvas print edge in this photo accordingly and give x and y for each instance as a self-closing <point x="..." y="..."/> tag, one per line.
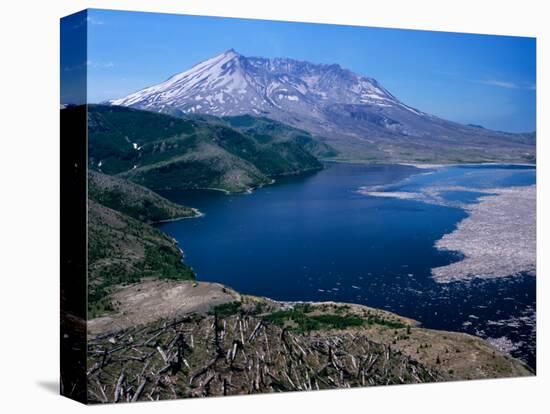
<point x="229" y="326"/>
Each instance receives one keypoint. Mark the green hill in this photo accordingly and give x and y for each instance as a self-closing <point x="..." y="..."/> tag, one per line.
<point x="134" y="200"/>
<point x="269" y="131"/>
<point x="162" y="152"/>
<point x="124" y="250"/>
<point x="122" y="247"/>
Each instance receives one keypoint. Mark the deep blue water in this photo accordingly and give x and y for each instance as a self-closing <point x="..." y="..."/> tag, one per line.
<point x="315" y="237"/>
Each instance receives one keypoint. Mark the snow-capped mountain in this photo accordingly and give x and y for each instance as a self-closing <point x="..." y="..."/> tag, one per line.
<point x="231" y="84"/>
<point x="327" y="100"/>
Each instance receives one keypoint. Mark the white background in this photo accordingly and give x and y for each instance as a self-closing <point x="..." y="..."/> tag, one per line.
<point x="29" y="216"/>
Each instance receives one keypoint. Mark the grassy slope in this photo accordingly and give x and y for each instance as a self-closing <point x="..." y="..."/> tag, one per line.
<point x="133" y="200"/>
<point x="123" y="250"/>
<point x="205" y="166"/>
<point x="163" y="152"/>
<point x="265" y="130"/>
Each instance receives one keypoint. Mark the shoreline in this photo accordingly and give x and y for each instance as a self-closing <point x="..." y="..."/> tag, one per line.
<point x="458" y="164"/>
<point x="420" y="166"/>
<point x="426" y="165"/>
<point x="196" y="211"/>
<point x="247" y="190"/>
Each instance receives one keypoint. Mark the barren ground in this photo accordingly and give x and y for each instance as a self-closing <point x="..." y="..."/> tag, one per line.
<point x="151" y="300"/>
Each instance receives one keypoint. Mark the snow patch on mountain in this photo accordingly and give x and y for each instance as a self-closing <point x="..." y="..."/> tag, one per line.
<point x="235" y="85"/>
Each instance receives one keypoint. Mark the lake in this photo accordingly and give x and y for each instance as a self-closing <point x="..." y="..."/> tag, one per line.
<point x="315" y="237"/>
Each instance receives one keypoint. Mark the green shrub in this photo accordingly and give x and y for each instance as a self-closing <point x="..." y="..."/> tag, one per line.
<point x="301" y="321"/>
<point x="227" y="309"/>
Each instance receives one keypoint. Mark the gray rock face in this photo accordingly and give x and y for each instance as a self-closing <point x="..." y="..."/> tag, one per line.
<point x="353" y="112"/>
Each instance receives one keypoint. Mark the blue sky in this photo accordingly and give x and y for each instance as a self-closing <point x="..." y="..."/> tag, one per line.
<point x="479" y="79"/>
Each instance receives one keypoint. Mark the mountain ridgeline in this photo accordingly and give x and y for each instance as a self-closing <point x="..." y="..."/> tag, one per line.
<point x="163" y="152"/>
<point x="354" y="114"/>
